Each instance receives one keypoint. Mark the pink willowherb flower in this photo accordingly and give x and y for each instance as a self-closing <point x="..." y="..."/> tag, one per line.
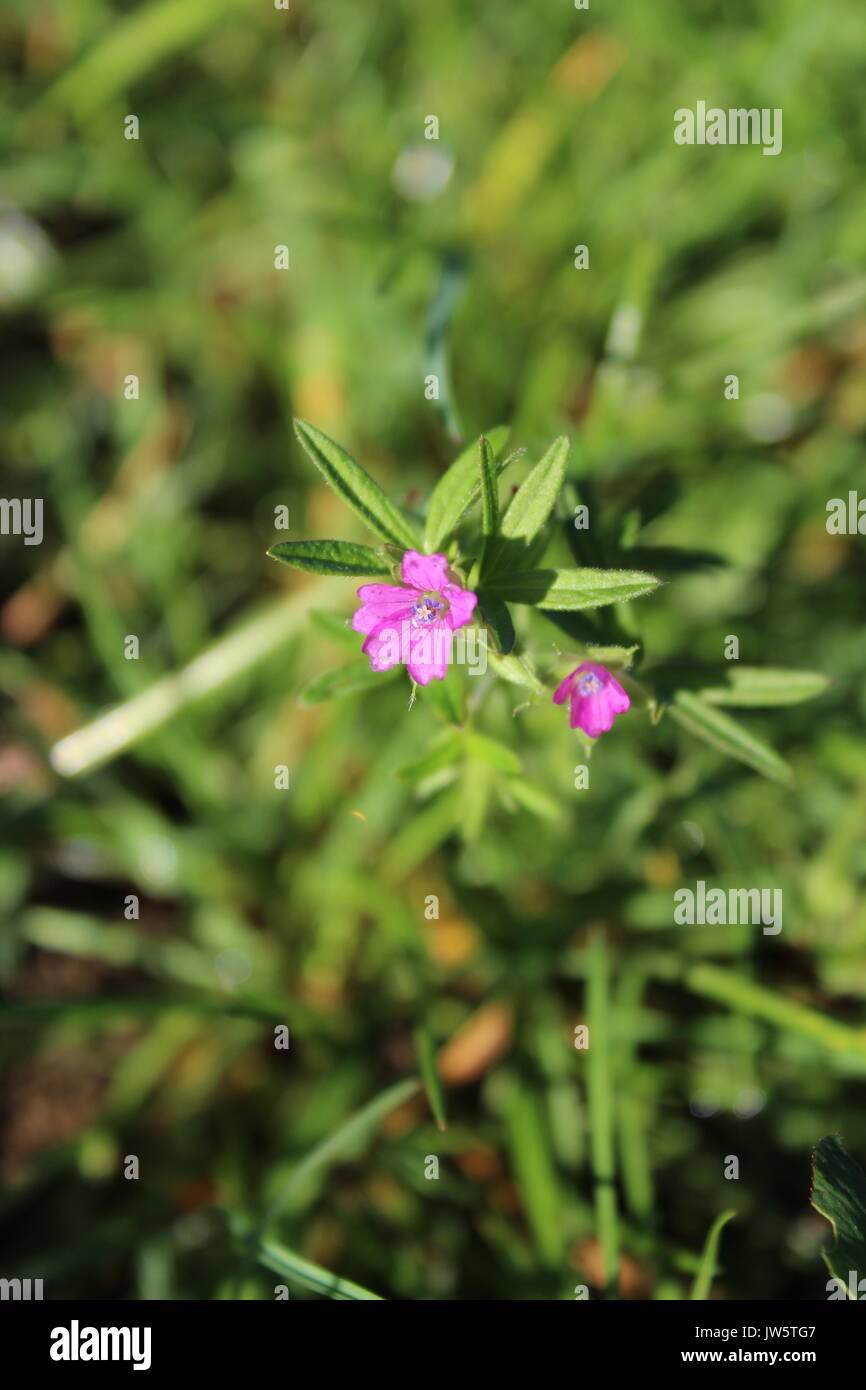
<point x="416" y="624"/>
<point x="596" y="698"/>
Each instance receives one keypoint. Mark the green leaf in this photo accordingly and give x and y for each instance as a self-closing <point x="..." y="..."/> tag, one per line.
<point x="476" y="786"/>
<point x="331" y="557"/>
<point x="724" y="734"/>
<point x="457" y="489"/>
<point x="498" y="620"/>
<point x="531" y="1153"/>
<point x="534" y="501"/>
<point x="444" y="752"/>
<point x="534" y="800"/>
<point x="426" y="1054"/>
<point x="839" y="1193"/>
<point x="344" y="1143"/>
<point x="623" y="657"/>
<point x="601" y="1104"/>
<point x="354" y="484"/>
<point x="344" y="680"/>
<point x="517" y="670"/>
<point x="446" y="696"/>
<point x="707" y="1268"/>
<point x="487" y="481"/>
<point x="571" y="589"/>
<point x="482" y="749"/>
<point x="310" y="1276"/>
<point x="768" y="685"/>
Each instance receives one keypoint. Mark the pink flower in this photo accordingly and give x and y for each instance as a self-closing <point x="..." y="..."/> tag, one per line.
<point x="414" y="625"/>
<point x="596" y="698"/>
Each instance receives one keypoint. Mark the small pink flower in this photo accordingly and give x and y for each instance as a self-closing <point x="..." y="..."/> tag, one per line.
<point x="414" y="625"/>
<point x="596" y="698"/>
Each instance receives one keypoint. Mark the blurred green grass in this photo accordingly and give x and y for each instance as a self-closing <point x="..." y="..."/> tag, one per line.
<point x="259" y="907"/>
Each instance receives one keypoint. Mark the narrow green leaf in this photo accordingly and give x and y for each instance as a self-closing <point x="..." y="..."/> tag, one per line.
<point x="571" y="589"/>
<point x="444" y="752"/>
<point x="535" y="499"/>
<point x="843" y="1041"/>
<point x="724" y="734"/>
<point x="530" y="1150"/>
<point x="707" y="1268"/>
<point x="600" y="1094"/>
<point x="756" y="685"/>
<point x="457" y="489"/>
<point x="354" y="484"/>
<point x="310" y="1276"/>
<point x="487" y="481"/>
<point x="426" y="1054"/>
<point x="447" y="696"/>
<point x="483" y="749"/>
<point x="331" y="557"/>
<point x="534" y="800"/>
<point x="421" y="835"/>
<point x="123" y="53"/>
<point x="476" y="786"/>
<point x="345" y="1142"/>
<point x="498" y="620"/>
<point x="344" y="680"/>
<point x="839" y="1193"/>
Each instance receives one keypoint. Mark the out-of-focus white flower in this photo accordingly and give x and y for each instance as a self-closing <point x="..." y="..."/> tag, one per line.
<point x="421" y="172"/>
<point x="25" y="254"/>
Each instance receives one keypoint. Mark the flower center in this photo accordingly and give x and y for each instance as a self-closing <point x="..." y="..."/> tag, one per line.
<point x="427" y="609"/>
<point x="588" y="683"/>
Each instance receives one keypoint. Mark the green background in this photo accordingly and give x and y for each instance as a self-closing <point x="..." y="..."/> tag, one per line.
<point x="305" y="907"/>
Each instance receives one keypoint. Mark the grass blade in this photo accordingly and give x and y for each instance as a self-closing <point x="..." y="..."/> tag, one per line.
<point x="535" y="1169"/>
<point x="707" y="1268"/>
<point x="344" y="1142"/>
<point x="601" y="1110"/>
<point x="426" y="1054"/>
<point x="311" y="1276"/>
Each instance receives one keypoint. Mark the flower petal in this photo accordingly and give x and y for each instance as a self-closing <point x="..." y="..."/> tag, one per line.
<point x="562" y="692"/>
<point x="380" y="602"/>
<point x="461" y="604"/>
<point x="617" y="697"/>
<point x="384" y="645"/>
<point x="429" y="652"/>
<point x="592" y="714"/>
<point x="424" y="571"/>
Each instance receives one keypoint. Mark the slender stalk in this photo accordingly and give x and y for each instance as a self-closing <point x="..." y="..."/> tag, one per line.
<point x="601" y="1108"/>
<point x="706" y="1271"/>
<point x="125" y="725"/>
